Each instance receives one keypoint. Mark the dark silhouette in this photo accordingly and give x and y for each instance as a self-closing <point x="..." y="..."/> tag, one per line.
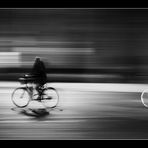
<point x="39" y="72"/>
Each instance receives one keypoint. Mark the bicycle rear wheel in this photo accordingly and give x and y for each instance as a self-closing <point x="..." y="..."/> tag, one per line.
<point x="144" y="98"/>
<point x="20" y="97"/>
<point x="50" y="97"/>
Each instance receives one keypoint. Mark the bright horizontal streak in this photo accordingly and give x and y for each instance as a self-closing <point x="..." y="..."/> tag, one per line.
<point x="10" y="53"/>
<point x="112" y="87"/>
<point x="53" y="50"/>
<point x="44" y="42"/>
<point x="9" y="59"/>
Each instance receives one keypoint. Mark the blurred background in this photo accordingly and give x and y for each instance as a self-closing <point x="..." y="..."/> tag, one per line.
<point x="77" y="45"/>
<point x="105" y="51"/>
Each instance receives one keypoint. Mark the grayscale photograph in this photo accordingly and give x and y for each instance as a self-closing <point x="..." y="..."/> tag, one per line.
<point x="73" y="73"/>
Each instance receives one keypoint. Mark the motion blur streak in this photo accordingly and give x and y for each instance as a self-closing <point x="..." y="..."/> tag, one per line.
<point x="110" y="42"/>
<point x="97" y="59"/>
<point x="93" y="114"/>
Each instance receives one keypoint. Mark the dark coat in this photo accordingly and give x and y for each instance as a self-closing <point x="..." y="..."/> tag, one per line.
<point x="39" y="71"/>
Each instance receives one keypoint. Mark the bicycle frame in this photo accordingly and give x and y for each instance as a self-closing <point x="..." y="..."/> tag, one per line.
<point x="30" y="91"/>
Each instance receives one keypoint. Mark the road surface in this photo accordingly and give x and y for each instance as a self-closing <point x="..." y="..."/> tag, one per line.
<point x="89" y="111"/>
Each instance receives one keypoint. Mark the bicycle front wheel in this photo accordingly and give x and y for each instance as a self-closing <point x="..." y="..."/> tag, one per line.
<point x="144" y="98"/>
<point x="50" y="97"/>
<point x="20" y="97"/>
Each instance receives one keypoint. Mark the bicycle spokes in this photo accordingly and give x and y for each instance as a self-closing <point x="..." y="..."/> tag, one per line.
<point x="20" y="97"/>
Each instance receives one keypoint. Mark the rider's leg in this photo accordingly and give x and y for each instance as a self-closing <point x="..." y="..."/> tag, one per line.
<point x="38" y="87"/>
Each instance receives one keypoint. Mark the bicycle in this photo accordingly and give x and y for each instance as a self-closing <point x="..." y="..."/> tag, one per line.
<point x="144" y="98"/>
<point x="22" y="96"/>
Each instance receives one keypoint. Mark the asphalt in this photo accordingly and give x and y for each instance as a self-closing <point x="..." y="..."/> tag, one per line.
<point x="85" y="111"/>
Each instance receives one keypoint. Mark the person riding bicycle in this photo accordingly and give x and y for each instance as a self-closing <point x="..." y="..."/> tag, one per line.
<point x="38" y="74"/>
<point x="34" y="88"/>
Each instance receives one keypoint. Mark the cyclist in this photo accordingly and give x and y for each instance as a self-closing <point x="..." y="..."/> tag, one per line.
<point x="37" y="75"/>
